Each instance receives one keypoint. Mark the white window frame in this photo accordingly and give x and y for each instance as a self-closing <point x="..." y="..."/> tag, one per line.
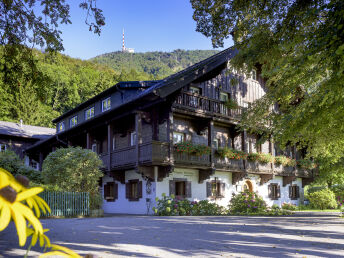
<point x="195" y="90"/>
<point x="3" y="147"/>
<point x="89" y="113"/>
<point x="226" y="96"/>
<point x="59" y="129"/>
<point x="94" y="147"/>
<point x="106" y="104"/>
<point x="133" y="138"/>
<point x="73" y="121"/>
<point x="216" y="144"/>
<point x="34" y="164"/>
<point x="176" y="139"/>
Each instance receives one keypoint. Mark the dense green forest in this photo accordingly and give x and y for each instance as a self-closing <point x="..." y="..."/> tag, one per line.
<point x="58" y="83"/>
<point x="157" y="64"/>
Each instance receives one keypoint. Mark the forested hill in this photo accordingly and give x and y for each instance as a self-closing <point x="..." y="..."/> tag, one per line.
<point x="59" y="83"/>
<point x="156" y="64"/>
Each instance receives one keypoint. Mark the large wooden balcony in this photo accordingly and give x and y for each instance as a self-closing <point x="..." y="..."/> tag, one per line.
<point x="157" y="153"/>
<point x="201" y="104"/>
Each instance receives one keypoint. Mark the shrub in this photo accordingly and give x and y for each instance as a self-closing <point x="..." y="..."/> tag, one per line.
<point x="10" y="161"/>
<point x="96" y="201"/>
<point x="73" y="169"/>
<point x="171" y="206"/>
<point x="289" y="206"/>
<point x="275" y="210"/>
<point x="247" y="202"/>
<point x="323" y="199"/>
<point x="193" y="149"/>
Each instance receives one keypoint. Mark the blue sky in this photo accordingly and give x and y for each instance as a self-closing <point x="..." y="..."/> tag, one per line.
<point x="150" y="25"/>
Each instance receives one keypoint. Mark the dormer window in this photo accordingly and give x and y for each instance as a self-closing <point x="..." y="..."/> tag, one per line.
<point x="89" y="113"/>
<point x="61" y="127"/>
<point x="106" y="104"/>
<point x="195" y="90"/>
<point x="254" y="75"/>
<point x="73" y="121"/>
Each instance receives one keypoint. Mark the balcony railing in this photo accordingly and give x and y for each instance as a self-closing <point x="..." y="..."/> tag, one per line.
<point x="207" y="105"/>
<point x="230" y="164"/>
<point x="185" y="158"/>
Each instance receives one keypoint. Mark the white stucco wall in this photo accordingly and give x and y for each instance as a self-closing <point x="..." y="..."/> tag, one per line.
<point x="262" y="190"/>
<point x="198" y="191"/>
<point x="123" y="205"/>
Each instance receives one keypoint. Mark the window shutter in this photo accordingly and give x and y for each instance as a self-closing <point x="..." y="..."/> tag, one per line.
<point x="172" y="187"/>
<point x="115" y="191"/>
<point x="297" y="192"/>
<point x="278" y="192"/>
<point x="106" y="190"/>
<point x="188" y="189"/>
<point x="222" y="189"/>
<point x="139" y="189"/>
<point x="208" y="189"/>
<point x="270" y="191"/>
<point x="127" y="190"/>
<point x="290" y="192"/>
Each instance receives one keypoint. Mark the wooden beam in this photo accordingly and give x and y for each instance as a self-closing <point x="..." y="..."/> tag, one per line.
<point x="40" y="161"/>
<point x="210" y="142"/>
<point x="238" y="176"/>
<point x="138" y="130"/>
<point x="109" y="143"/>
<point x="88" y="141"/>
<point x="170" y="136"/>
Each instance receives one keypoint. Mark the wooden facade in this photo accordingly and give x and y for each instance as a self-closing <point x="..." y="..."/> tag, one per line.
<point x="136" y="133"/>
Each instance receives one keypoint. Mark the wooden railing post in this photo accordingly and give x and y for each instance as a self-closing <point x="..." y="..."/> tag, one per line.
<point x="88" y="141"/>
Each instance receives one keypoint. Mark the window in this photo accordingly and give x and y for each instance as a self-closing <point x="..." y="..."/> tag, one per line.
<point x="3" y="147"/>
<point x="113" y="142"/>
<point x="254" y="74"/>
<point x="133" y="190"/>
<point x="194" y="99"/>
<point x="294" y="192"/>
<point x="195" y="90"/>
<point x="216" y="143"/>
<point x="274" y="191"/>
<point x="216" y="189"/>
<point x="94" y="147"/>
<point x="34" y="164"/>
<point x="224" y="96"/>
<point x="132" y="138"/>
<point x="73" y="121"/>
<point x="61" y="126"/>
<point x="89" y="113"/>
<point x="178" y="137"/>
<point x="180" y="187"/>
<point x="110" y="191"/>
<point x="106" y="104"/>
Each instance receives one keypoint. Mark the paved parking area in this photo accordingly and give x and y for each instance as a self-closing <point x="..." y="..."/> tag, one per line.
<point x="146" y="236"/>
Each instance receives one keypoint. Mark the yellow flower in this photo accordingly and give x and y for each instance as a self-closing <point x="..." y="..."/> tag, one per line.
<point x="60" y="251"/>
<point x="11" y="206"/>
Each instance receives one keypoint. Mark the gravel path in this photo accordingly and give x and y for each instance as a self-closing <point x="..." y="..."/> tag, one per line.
<point x="146" y="236"/>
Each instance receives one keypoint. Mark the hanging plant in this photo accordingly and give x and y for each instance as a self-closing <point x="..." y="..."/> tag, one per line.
<point x="231" y="104"/>
<point x="284" y="161"/>
<point x="193" y="149"/>
<point x="231" y="153"/>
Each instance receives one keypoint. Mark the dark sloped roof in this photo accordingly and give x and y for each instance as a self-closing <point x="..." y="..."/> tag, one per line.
<point x="120" y="85"/>
<point x="25" y="131"/>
